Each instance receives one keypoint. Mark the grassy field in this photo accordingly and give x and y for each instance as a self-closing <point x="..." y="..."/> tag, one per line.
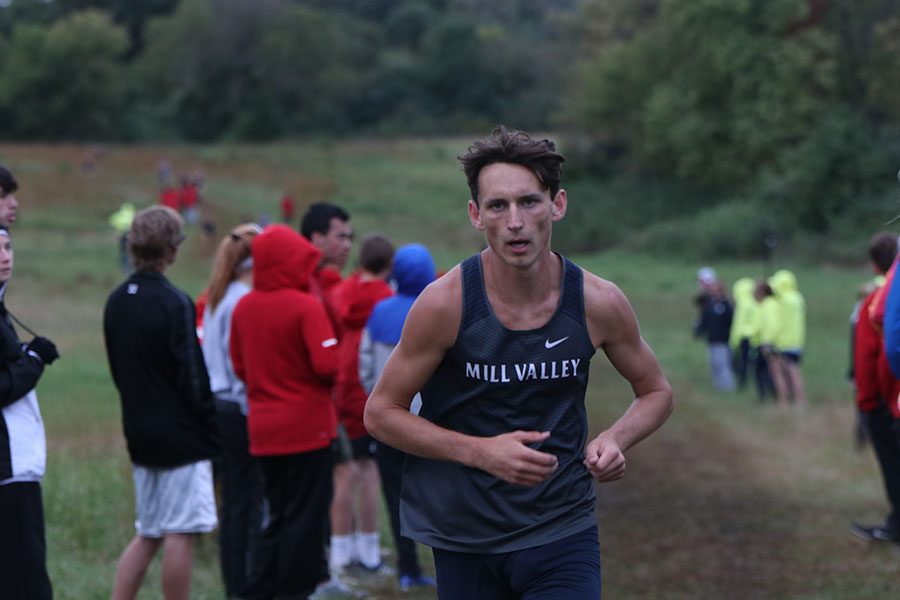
<point x="730" y="500"/>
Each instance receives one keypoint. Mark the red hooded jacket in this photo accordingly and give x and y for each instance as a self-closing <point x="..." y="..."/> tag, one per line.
<point x="284" y="349"/>
<point x="875" y="384"/>
<point x="353" y="301"/>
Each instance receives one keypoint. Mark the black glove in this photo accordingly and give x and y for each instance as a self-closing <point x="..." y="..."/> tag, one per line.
<point x="44" y="348"/>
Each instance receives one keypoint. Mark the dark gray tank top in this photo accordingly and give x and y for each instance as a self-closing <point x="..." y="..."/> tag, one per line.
<point x="492" y="381"/>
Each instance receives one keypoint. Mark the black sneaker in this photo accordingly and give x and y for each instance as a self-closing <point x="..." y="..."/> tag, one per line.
<point x="873" y="533"/>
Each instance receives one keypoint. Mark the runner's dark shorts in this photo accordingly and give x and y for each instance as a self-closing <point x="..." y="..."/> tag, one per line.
<point x="568" y="569"/>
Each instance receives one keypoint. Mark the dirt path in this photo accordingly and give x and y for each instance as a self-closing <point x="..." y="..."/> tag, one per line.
<point x="713" y="507"/>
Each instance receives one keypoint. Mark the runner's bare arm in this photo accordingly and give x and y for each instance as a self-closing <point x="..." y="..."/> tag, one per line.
<point x="614" y="328"/>
<point x="430" y="330"/>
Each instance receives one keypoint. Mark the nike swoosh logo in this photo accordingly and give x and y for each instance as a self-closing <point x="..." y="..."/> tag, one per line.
<point x="548" y="344"/>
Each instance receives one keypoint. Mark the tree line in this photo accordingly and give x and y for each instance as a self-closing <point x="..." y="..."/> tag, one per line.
<point x="745" y="108"/>
<point x="231" y="69"/>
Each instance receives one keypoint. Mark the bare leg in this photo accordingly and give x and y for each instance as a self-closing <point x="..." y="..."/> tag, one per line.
<point x="776" y="370"/>
<point x="178" y="558"/>
<point x="133" y="566"/>
<point x="345" y="478"/>
<point x="796" y="382"/>
<point x="369" y="492"/>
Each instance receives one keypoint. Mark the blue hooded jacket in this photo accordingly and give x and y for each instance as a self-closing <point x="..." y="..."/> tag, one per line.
<point x="413" y="271"/>
<point x="892" y="327"/>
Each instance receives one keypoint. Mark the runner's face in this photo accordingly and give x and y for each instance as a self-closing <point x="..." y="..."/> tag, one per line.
<point x="8" y="208"/>
<point x="515" y="212"/>
<point x="6" y="259"/>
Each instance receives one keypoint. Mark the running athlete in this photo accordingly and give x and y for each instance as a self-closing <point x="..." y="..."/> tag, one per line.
<point x="499" y="481"/>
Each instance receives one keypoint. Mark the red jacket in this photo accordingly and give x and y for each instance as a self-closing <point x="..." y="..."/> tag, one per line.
<point x="353" y="301"/>
<point x="283" y="347"/>
<point x="875" y="384"/>
<point x="170" y="197"/>
<point x="322" y="283"/>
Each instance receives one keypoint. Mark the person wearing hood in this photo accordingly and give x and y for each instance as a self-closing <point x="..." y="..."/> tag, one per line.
<point x="876" y="391"/>
<point x="284" y="349"/>
<point x="355" y="471"/>
<point x="792" y="334"/>
<point x="744" y="327"/>
<point x="23" y="452"/>
<point x="413" y="271"/>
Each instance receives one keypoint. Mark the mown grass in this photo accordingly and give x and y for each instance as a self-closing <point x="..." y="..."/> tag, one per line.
<point x="730" y="499"/>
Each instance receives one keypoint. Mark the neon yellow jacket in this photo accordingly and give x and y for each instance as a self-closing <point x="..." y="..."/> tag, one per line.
<point x="746" y="320"/>
<point x="769" y="321"/>
<point x="792" y="311"/>
<point x="122" y="218"/>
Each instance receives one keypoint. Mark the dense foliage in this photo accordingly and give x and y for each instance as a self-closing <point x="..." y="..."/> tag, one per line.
<point x="232" y="69"/>
<point x="747" y="116"/>
<point x="786" y="110"/>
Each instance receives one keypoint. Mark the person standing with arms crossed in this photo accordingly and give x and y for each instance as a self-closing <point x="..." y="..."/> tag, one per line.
<point x="499" y="477"/>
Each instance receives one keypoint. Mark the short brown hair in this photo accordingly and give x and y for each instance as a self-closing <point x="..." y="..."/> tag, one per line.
<point x="376" y="253"/>
<point x="882" y="251"/>
<point x="514" y="147"/>
<point x="153" y="238"/>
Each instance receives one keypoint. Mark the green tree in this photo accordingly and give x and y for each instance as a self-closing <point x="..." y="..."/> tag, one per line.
<point x="251" y="70"/>
<point x="791" y="104"/>
<point x="64" y="81"/>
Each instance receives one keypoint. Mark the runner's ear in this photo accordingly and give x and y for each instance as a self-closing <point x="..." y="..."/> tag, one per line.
<point x="475" y="216"/>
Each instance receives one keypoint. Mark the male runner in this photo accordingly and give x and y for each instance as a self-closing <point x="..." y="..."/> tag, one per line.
<point x="499" y="484"/>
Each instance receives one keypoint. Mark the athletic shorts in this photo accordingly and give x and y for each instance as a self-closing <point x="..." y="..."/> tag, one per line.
<point x="791" y="356"/>
<point x="361" y="447"/>
<point x="567" y="569"/>
<point x="179" y="500"/>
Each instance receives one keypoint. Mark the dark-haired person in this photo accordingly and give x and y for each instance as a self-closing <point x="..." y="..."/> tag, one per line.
<point x="354" y="533"/>
<point x="876" y="394"/>
<point x="167" y="408"/>
<point x="413" y="271"/>
<point x="327" y="226"/>
<point x="499" y="477"/>
<point x="23" y="453"/>
<point x="8" y="203"/>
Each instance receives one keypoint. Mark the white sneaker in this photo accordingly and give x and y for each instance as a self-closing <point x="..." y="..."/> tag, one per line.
<point x="335" y="588"/>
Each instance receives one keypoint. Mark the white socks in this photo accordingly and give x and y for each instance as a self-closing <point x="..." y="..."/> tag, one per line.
<point x="368" y="549"/>
<point x="362" y="547"/>
<point x="342" y="551"/>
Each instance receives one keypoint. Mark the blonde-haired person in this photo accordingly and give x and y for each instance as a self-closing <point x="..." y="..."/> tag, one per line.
<point x="242" y="488"/>
<point x="167" y="408"/>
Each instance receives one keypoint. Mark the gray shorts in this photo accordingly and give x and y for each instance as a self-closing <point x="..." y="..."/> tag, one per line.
<point x="179" y="500"/>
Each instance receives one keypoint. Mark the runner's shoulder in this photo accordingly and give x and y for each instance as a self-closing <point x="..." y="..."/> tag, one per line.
<point x="439" y="306"/>
<point x="604" y="301"/>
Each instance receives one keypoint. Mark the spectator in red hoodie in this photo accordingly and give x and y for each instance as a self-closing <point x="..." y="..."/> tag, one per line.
<point x="876" y="393"/>
<point x="356" y="473"/>
<point x="283" y="347"/>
